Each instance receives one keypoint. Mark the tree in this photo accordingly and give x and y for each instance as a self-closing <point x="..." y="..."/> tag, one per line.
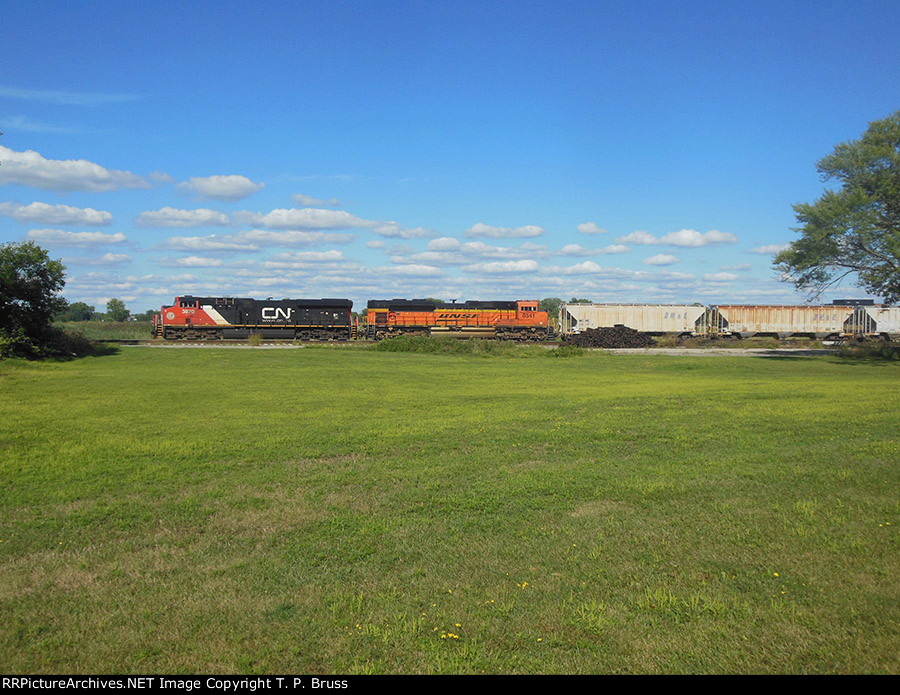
<point x="29" y="283"/>
<point x="855" y="229"/>
<point x="76" y="311"/>
<point x="144" y="316"/>
<point x="116" y="311"/>
<point x="550" y="305"/>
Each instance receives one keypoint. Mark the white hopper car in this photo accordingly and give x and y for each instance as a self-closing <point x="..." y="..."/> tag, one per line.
<point x="742" y="321"/>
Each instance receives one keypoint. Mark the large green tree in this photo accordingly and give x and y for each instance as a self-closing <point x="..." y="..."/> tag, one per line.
<point x="29" y="285"/>
<point x="116" y="310"/>
<point x="854" y="229"/>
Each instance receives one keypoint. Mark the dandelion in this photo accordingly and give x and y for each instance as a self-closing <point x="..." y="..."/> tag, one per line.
<point x="775" y="574"/>
<point x="458" y="625"/>
<point x="540" y="639"/>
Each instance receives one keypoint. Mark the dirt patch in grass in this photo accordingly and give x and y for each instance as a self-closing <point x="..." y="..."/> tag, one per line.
<point x="601" y="508"/>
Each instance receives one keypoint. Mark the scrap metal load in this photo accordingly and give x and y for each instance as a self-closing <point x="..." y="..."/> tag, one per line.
<point x="616" y="337"/>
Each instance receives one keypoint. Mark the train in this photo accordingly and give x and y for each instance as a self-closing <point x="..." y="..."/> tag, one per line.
<point x="222" y="318"/>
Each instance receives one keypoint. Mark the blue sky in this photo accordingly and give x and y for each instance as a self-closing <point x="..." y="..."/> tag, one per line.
<point x="619" y="151"/>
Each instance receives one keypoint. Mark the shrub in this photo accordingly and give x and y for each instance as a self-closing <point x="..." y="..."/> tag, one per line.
<point x="567" y="351"/>
<point x="876" y="351"/>
<point x="51" y="342"/>
<point x="477" y="347"/>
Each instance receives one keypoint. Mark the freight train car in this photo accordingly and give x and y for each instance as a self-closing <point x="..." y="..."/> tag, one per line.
<point x="877" y="322"/>
<point x="519" y="320"/>
<point x="655" y="319"/>
<point x="744" y="321"/>
<point x="217" y="318"/>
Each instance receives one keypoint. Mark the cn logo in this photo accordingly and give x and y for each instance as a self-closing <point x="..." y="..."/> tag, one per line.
<point x="273" y="313"/>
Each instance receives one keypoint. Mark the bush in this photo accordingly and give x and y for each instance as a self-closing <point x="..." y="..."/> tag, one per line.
<point x="477" y="347"/>
<point x="567" y="351"/>
<point x="51" y="342"/>
<point x="875" y="351"/>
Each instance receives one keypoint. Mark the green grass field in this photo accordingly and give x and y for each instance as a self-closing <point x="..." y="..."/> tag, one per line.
<point x="110" y="330"/>
<point x="354" y="511"/>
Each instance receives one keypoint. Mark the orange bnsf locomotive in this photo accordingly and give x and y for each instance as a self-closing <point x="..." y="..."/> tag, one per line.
<point x="503" y="320"/>
<point x="218" y="318"/>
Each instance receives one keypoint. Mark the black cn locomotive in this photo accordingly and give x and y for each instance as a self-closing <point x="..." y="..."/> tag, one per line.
<point x="217" y="318"/>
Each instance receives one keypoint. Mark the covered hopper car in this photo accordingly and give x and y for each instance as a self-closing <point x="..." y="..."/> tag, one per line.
<point x="217" y="318"/>
<point x="829" y="321"/>
<point x="654" y="319"/>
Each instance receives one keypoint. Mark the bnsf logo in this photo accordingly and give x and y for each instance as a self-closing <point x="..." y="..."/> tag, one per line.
<point x="273" y="313"/>
<point x="458" y="316"/>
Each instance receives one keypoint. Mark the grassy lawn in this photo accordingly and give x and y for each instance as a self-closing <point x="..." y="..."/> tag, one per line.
<point x="354" y="511"/>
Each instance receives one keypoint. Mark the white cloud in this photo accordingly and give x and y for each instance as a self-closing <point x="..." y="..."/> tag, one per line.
<point x="292" y="238"/>
<point x="225" y="188"/>
<point x="484" y="230"/>
<point x="375" y="244"/>
<point x="172" y="217"/>
<point x="58" y="237"/>
<point x="451" y="251"/>
<point x="209" y="243"/>
<point x="591" y="268"/>
<point x="107" y="259"/>
<point x="409" y="270"/>
<point x="309" y="256"/>
<point x="660" y="259"/>
<point x="769" y="250"/>
<point x="720" y="277"/>
<point x="638" y="237"/>
<point x="29" y="126"/>
<point x="308" y="201"/>
<point x="590" y="228"/>
<point x="579" y="250"/>
<point x="30" y="168"/>
<point x="43" y="213"/>
<point x="445" y="243"/>
<point x="197" y="262"/>
<point x="160" y="177"/>
<point x="66" y="98"/>
<point x="586" y="267"/>
<point x="306" y="218"/>
<point x="394" y="230"/>
<point x="691" y="238"/>
<point x="500" y="267"/>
